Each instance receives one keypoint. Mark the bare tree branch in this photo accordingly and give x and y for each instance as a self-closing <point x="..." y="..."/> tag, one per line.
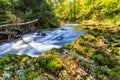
<point x="19" y="24"/>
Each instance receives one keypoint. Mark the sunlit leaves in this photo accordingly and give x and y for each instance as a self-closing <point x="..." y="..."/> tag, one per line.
<point x="78" y="10"/>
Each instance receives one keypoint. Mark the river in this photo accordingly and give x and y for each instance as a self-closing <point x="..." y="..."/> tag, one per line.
<point x="34" y="44"/>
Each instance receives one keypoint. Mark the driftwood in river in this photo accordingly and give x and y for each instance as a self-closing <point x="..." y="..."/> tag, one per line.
<point x="10" y="32"/>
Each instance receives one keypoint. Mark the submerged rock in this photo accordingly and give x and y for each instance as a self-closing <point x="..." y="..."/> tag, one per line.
<point x="59" y="38"/>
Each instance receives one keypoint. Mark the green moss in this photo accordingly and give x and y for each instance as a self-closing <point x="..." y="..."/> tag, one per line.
<point x="25" y="67"/>
<point x="97" y="53"/>
<point x="54" y="64"/>
<point x="50" y="62"/>
<point x="116" y="48"/>
<point x="67" y="47"/>
<point x="100" y="44"/>
<point x="91" y="32"/>
<point x="33" y="76"/>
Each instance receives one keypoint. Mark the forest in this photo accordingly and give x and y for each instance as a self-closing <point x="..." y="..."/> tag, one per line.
<point x="59" y="39"/>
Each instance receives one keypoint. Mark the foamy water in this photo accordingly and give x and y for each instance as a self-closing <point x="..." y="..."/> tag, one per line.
<point x="34" y="44"/>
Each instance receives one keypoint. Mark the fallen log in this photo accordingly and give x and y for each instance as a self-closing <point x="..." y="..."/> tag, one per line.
<point x="8" y="33"/>
<point x="19" y="24"/>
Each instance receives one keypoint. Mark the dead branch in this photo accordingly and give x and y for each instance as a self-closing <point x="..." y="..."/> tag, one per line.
<point x="19" y="24"/>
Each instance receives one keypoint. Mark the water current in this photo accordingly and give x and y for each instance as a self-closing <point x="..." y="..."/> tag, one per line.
<point x="35" y="43"/>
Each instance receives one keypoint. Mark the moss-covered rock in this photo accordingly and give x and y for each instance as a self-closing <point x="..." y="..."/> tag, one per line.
<point x="25" y="67"/>
<point x="95" y="54"/>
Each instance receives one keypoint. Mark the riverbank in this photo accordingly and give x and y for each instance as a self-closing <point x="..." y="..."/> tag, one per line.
<point x="93" y="56"/>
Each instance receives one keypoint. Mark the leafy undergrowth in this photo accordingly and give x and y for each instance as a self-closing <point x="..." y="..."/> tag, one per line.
<point x="97" y="51"/>
<point x="93" y="56"/>
<point x="15" y="67"/>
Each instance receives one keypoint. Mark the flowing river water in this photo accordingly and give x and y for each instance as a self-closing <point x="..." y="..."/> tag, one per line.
<point x="34" y="44"/>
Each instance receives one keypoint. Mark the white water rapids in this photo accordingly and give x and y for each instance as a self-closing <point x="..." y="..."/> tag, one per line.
<point x="35" y="43"/>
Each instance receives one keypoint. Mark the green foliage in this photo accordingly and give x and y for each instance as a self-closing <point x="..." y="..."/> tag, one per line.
<point x="32" y="76"/>
<point x="51" y="62"/>
<point x="4" y="4"/>
<point x="99" y="47"/>
<point x="25" y="67"/>
<point x="79" y="10"/>
<point x="32" y="9"/>
<point x="116" y="48"/>
<point x="28" y="10"/>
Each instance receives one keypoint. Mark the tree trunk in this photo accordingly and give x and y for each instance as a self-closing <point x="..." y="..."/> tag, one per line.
<point x="74" y="10"/>
<point x="12" y="3"/>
